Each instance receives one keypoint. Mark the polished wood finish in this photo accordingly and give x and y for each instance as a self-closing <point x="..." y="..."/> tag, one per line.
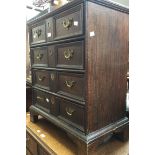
<point x="72" y="112"/>
<point x="70" y="55"/>
<point x="31" y="144"/>
<point x="55" y="141"/>
<point x="71" y="84"/>
<point x="68" y="23"/>
<point x="87" y="61"/>
<point x="33" y="147"/>
<point x="107" y="63"/>
<point x="58" y="142"/>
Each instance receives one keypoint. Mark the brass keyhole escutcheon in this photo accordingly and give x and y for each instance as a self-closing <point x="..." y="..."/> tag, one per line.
<point x="52" y="100"/>
<point x="52" y="76"/>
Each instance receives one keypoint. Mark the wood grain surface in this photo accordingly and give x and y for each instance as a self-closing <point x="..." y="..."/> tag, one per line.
<point x="58" y="141"/>
<point x="54" y="138"/>
<point x="106" y="64"/>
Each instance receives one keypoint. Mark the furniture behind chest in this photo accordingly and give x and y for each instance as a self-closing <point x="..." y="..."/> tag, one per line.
<point x="44" y="138"/>
<point x="79" y="60"/>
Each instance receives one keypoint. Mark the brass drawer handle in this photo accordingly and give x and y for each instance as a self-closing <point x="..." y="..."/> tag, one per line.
<point x="69" y="111"/>
<point x="38" y="32"/>
<point x="40" y="98"/>
<point x="67" y="23"/>
<point x="68" y="54"/>
<point x="41" y="78"/>
<point x="70" y="84"/>
<point x="39" y="56"/>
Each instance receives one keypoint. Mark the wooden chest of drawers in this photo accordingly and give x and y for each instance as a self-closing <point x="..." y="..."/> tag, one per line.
<point x="79" y="56"/>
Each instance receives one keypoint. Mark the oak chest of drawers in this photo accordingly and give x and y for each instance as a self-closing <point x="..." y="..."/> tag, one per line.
<point x="79" y="59"/>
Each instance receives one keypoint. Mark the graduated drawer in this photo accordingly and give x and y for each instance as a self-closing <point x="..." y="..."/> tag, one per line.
<point x="70" y="55"/>
<point x="31" y="144"/>
<point x="41" y="78"/>
<point x="39" y="56"/>
<point x="71" y="113"/>
<point x="69" y="23"/>
<point x="38" y="33"/>
<point x="45" y="101"/>
<point x="44" y="79"/>
<point x="71" y="85"/>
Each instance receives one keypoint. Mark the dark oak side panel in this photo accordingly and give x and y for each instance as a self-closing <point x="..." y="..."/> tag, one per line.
<point x="106" y="64"/>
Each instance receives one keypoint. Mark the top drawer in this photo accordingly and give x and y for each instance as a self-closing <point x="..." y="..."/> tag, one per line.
<point x="69" y="23"/>
<point x="38" y="33"/>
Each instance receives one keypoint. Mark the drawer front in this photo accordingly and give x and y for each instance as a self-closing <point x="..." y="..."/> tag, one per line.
<point x="72" y="113"/>
<point x="41" y="100"/>
<point x="31" y="144"/>
<point x="38" y="34"/>
<point x="70" y="55"/>
<point x="69" y="23"/>
<point x="46" y="102"/>
<point x="72" y="85"/>
<point x="39" y="57"/>
<point x="41" y="79"/>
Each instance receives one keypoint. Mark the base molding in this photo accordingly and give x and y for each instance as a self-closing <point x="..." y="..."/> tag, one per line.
<point x="86" y="144"/>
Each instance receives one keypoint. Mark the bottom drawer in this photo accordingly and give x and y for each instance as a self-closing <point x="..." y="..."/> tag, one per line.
<point x="31" y="145"/>
<point x="45" y="101"/>
<point x="41" y="100"/>
<point x="71" y="113"/>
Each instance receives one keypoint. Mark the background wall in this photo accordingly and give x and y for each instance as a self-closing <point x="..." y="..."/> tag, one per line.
<point x="124" y="2"/>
